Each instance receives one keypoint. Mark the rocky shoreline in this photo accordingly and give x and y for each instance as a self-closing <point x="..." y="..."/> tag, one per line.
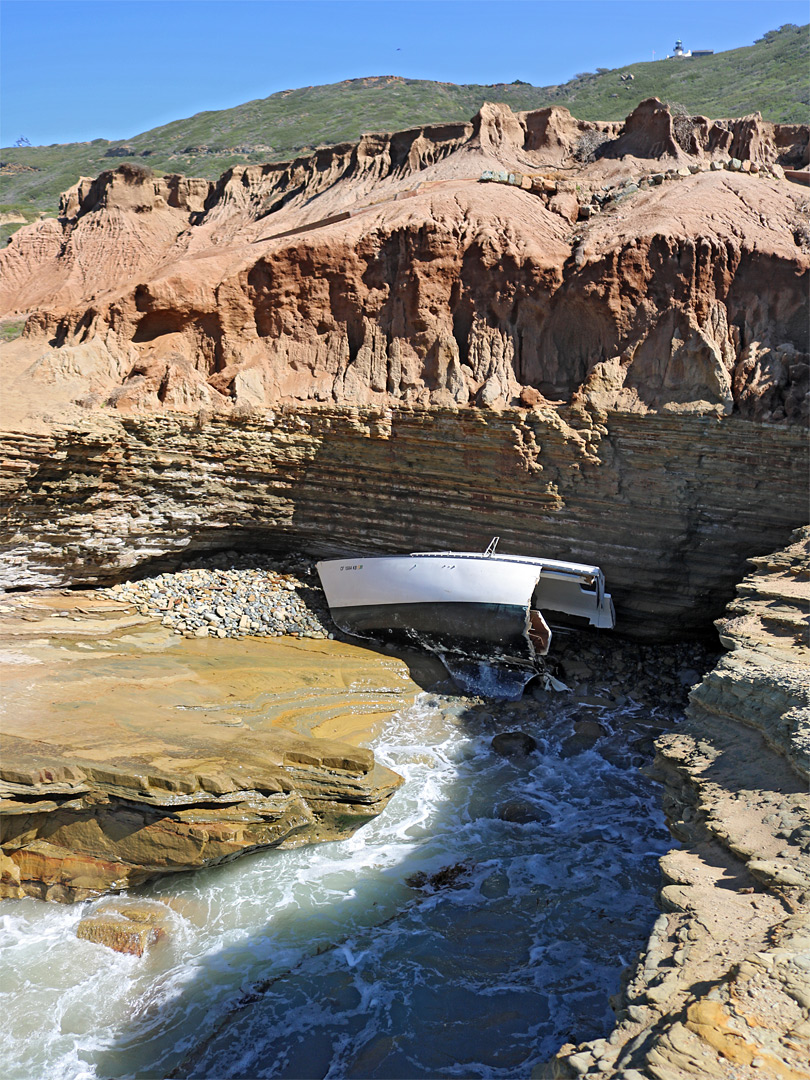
<point x="733" y="937"/>
<point x="214" y="788"/>
<point x="723" y="989"/>
<point x="590" y="367"/>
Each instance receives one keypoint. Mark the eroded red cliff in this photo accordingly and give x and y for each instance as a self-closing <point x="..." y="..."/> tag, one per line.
<point x="662" y="263"/>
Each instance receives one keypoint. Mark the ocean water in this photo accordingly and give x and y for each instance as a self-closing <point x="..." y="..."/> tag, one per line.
<point x="327" y="961"/>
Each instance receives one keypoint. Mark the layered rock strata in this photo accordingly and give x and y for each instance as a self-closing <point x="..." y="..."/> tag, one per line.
<point x="724" y="986"/>
<point x="518" y="371"/>
<point x="74" y="828"/>
<point x="374" y="351"/>
<point x="670" y="505"/>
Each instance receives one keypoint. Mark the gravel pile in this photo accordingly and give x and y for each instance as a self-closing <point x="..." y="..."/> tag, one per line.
<point x="232" y="595"/>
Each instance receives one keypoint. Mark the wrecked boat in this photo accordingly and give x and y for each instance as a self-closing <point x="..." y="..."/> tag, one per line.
<point x="475" y="606"/>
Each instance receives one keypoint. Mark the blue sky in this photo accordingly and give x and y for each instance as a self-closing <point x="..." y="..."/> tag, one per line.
<point x="82" y="69"/>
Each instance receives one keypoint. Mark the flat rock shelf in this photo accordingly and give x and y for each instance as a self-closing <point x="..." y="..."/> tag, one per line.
<point x="128" y="752"/>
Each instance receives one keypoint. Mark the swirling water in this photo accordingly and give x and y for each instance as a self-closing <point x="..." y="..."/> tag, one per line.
<point x="326" y="962"/>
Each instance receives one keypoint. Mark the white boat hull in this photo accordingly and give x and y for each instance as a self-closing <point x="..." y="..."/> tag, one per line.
<point x="465" y="603"/>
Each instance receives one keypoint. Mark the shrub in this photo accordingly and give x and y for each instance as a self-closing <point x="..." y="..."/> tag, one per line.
<point x="134" y="174"/>
<point x="590" y="145"/>
<point x="682" y="127"/>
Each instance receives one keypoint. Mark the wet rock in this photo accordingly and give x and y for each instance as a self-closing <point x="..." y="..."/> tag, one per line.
<point x="586" y="734"/>
<point x="449" y="877"/>
<point x="515" y="744"/>
<point x="576" y="669"/>
<point x="688" y="677"/>
<point x="594" y="700"/>
<point x="126" y="926"/>
<point x="521" y="812"/>
<point x="723" y="982"/>
<point x="138" y="815"/>
<point x="589" y="729"/>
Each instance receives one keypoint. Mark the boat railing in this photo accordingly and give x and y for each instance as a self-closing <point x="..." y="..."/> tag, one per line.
<point x="589" y="577"/>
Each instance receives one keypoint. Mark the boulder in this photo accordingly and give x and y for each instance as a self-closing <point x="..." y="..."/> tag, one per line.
<point x="515" y="744"/>
<point x="586" y="735"/>
<point x="127" y="926"/>
<point x="531" y="398"/>
<point x="566" y="204"/>
<point x="522" y="812"/>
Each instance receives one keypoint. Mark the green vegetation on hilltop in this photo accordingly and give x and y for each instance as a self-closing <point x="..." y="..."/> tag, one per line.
<point x="769" y="77"/>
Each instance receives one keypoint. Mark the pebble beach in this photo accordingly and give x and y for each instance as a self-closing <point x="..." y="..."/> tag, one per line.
<point x="233" y="596"/>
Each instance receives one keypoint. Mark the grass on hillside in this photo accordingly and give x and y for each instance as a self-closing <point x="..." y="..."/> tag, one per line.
<point x="769" y="76"/>
<point x="30" y="213"/>
<point x="11" y="330"/>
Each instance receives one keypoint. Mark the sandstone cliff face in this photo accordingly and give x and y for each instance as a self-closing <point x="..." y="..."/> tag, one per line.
<point x="565" y="360"/>
<point x="670" y="505"/>
<point x="604" y="360"/>
<point x="384" y="272"/>
<point x="379" y="351"/>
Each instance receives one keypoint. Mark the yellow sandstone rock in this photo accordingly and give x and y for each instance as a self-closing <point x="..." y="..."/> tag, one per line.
<point x="133" y="753"/>
<point x="126" y="926"/>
